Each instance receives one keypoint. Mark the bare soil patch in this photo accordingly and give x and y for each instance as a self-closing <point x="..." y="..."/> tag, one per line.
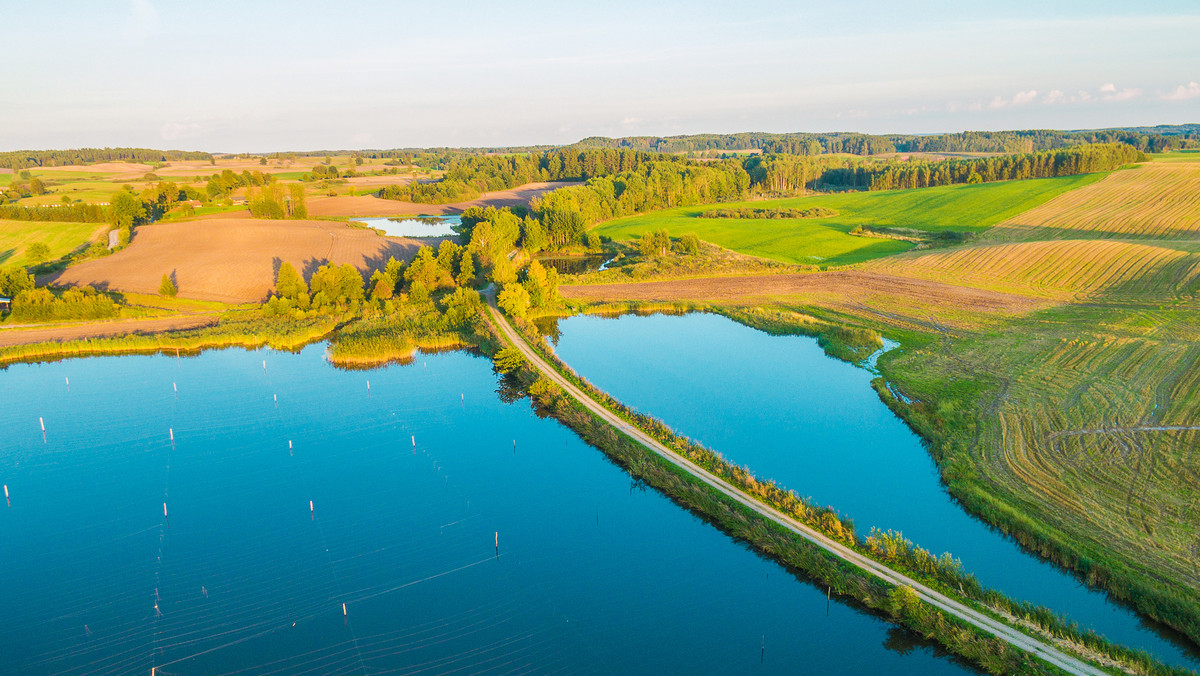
<point x="64" y="332"/>
<point x="344" y="205"/>
<point x="232" y="260"/>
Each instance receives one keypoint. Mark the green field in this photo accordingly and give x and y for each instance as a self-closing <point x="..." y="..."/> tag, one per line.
<point x="1177" y="156"/>
<point x="62" y="238"/>
<point x="960" y="208"/>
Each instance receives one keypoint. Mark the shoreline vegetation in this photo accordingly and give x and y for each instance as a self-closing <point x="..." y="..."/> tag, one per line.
<point x="358" y="341"/>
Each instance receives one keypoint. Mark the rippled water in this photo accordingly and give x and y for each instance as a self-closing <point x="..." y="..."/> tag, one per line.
<point x="592" y="573"/>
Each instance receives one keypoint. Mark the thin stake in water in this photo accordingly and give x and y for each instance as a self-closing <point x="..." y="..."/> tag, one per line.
<point x="310" y="510"/>
<point x="6" y="495"/>
<point x="68" y="383"/>
<point x="43" y="424"/>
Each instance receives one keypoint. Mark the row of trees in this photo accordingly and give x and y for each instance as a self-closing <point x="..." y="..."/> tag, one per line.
<point x="466" y="177"/>
<point x="40" y="304"/>
<point x="1152" y="139"/>
<point x="22" y="159"/>
<point x="1067" y="162"/>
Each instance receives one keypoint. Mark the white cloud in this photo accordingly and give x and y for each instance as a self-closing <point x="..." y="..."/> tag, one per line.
<point x="1111" y="93"/>
<point x="629" y="121"/>
<point x="1018" y="99"/>
<point x="1184" y="92"/>
<point x="1023" y="98"/>
<point x="1055" y="96"/>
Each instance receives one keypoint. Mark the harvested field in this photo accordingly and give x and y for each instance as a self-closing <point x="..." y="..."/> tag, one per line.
<point x="1133" y="235"/>
<point x="1153" y="201"/>
<point x="63" y="332"/>
<point x="851" y="291"/>
<point x="344" y="205"/>
<point x="1059" y="269"/>
<point x="232" y="260"/>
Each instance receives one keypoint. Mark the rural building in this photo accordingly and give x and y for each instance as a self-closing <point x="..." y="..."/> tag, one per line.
<point x="5" y="303"/>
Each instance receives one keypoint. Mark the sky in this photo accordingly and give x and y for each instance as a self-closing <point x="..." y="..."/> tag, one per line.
<point x="261" y="75"/>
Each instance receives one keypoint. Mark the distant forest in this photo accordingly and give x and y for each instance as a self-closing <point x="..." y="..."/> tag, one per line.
<point x="1146" y="139"/>
<point x="26" y="159"/>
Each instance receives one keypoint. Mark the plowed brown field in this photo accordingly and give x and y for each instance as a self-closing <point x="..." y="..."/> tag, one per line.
<point x="232" y="260"/>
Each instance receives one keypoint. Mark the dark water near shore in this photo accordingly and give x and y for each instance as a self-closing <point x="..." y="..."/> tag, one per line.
<point x="592" y="573"/>
<point x="789" y="412"/>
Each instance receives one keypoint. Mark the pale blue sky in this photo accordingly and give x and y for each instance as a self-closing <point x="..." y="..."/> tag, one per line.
<point x="258" y="76"/>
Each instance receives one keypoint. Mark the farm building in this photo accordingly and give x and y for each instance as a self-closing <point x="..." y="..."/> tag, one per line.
<point x="5" y="303"/>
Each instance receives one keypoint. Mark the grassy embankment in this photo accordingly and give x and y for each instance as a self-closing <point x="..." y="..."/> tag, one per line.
<point x="803" y="558"/>
<point x="1076" y="428"/>
<point x="826" y="241"/>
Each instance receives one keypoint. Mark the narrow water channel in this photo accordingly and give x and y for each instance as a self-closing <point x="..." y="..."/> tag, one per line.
<point x="780" y="406"/>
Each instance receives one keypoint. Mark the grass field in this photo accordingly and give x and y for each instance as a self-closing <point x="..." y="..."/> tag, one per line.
<point x="1177" y="156"/>
<point x="963" y="208"/>
<point x="62" y="238"/>
<point x="1135" y="234"/>
<point x="1079" y="426"/>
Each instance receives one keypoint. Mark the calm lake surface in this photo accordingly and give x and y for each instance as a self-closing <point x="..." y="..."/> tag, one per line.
<point x="414" y="226"/>
<point x="780" y="406"/>
<point x="592" y="574"/>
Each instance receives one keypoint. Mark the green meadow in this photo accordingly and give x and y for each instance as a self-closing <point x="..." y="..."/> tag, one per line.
<point x="62" y="238"/>
<point x="826" y="241"/>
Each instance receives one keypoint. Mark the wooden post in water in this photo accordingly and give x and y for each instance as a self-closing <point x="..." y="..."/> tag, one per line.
<point x="828" y="593"/>
<point x="68" y="383"/>
<point x="6" y="495"/>
<point x="311" y="513"/>
<point x="762" y="655"/>
<point x="264" y="366"/>
<point x="290" y="447"/>
<point x="368" y="388"/>
<point x="43" y="424"/>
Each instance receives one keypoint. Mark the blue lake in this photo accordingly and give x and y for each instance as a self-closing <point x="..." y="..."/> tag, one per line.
<point x="780" y="406"/>
<point x="592" y="573"/>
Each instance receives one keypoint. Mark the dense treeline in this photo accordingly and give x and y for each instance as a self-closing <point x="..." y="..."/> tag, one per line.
<point x="1080" y="160"/>
<point x="39" y="305"/>
<point x="24" y="159"/>
<point x="1146" y="139"/>
<point x="69" y="213"/>
<point x="653" y="185"/>
<point x="1031" y="140"/>
<point x="469" y="176"/>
